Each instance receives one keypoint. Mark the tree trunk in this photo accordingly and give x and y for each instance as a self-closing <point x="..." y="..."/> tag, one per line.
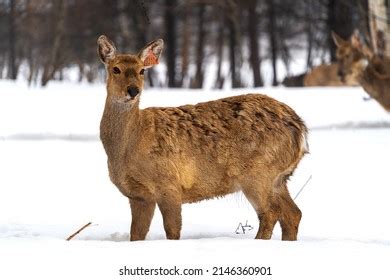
<point x="219" y="81"/>
<point x="32" y="66"/>
<point x="253" y="43"/>
<point x="12" y="69"/>
<point x="138" y="13"/>
<point x="139" y="26"/>
<point x="54" y="61"/>
<point x="170" y="30"/>
<point x="284" y="51"/>
<point x="364" y="19"/>
<point x="1" y="66"/>
<point x="379" y="27"/>
<point x="81" y="71"/>
<point x="198" y="79"/>
<point x="309" y="33"/>
<point x="272" y="39"/>
<point x="234" y="51"/>
<point x="186" y="33"/>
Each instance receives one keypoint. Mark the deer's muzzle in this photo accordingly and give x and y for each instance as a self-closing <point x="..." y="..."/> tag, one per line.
<point x="133" y="91"/>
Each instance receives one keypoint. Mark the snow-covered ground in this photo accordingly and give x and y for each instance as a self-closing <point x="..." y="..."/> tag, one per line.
<point x="53" y="179"/>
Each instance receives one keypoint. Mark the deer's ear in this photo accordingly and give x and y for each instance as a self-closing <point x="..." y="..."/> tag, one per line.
<point x="355" y="41"/>
<point x="150" y="54"/>
<point x="358" y="43"/>
<point x="337" y="39"/>
<point x="106" y="49"/>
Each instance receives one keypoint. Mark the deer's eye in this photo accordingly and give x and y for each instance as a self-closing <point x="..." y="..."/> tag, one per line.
<point x="142" y="71"/>
<point x="116" y="70"/>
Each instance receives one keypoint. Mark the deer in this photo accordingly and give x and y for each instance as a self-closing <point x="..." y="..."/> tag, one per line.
<point x="372" y="71"/>
<point x="327" y="75"/>
<point x="168" y="156"/>
<point x="294" y="81"/>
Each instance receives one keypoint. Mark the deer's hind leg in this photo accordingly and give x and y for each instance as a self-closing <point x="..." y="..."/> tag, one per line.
<point x="261" y="197"/>
<point x="290" y="214"/>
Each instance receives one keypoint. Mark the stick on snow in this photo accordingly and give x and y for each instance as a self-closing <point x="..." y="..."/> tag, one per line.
<point x="77" y="232"/>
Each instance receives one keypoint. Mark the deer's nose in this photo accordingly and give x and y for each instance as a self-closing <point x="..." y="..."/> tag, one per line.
<point x="133" y="91"/>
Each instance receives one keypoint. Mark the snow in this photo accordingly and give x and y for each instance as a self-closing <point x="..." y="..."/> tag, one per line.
<point x="54" y="180"/>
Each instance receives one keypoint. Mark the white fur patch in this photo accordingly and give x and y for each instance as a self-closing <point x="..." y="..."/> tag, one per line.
<point x="364" y="63"/>
<point x="304" y="143"/>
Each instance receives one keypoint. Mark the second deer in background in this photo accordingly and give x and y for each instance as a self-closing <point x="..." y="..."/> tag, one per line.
<point x="372" y="71"/>
<point x="326" y="75"/>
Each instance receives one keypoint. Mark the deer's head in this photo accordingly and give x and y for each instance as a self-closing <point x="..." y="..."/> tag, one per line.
<point x="352" y="57"/>
<point x="125" y="72"/>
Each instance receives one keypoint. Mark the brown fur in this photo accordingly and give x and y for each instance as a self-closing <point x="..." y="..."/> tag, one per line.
<point x="170" y="156"/>
<point x="371" y="71"/>
<point x="294" y="81"/>
<point x="326" y="75"/>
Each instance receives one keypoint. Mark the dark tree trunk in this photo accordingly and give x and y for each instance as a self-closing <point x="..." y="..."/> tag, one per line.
<point x="138" y="13"/>
<point x="12" y="69"/>
<point x="185" y="49"/>
<point x="198" y="79"/>
<point x="170" y="30"/>
<point x="340" y="20"/>
<point x="284" y="52"/>
<point x="272" y="39"/>
<point x="363" y="4"/>
<point x="55" y="56"/>
<point x="234" y="50"/>
<point x="363" y="24"/>
<point x="309" y="33"/>
<point x="81" y="71"/>
<point x="219" y="44"/>
<point x="253" y="43"/>
<point x="1" y="66"/>
<point x="30" y="43"/>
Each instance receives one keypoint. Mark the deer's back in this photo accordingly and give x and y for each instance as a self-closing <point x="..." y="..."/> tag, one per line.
<point x="241" y="127"/>
<point x="323" y="75"/>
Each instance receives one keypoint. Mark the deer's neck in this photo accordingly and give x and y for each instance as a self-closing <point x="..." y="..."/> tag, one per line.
<point x="119" y="124"/>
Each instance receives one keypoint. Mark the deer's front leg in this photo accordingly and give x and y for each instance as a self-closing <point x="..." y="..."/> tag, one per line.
<point x="142" y="213"/>
<point x="171" y="212"/>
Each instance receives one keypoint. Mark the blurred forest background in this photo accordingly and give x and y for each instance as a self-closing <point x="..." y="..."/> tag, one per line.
<point x="48" y="37"/>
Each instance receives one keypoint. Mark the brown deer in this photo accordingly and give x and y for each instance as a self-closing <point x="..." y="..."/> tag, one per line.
<point x="294" y="81"/>
<point x="372" y="72"/>
<point x="170" y="156"/>
<point x="326" y="75"/>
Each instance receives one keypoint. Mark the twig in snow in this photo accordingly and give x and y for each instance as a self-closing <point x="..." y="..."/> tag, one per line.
<point x="77" y="232"/>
